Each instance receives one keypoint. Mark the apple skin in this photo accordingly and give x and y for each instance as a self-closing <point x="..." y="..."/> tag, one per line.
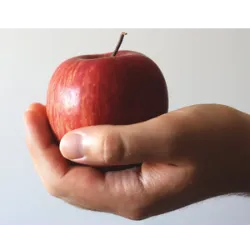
<point x="103" y="89"/>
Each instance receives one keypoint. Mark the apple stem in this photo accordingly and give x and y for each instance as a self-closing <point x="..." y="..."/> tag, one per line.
<point x="119" y="43"/>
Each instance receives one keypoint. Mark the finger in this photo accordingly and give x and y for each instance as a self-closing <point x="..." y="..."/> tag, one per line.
<point x="37" y="126"/>
<point x="84" y="187"/>
<point x="60" y="179"/>
<point x="108" y="145"/>
<point x="49" y="162"/>
<point x="38" y="108"/>
<point x="118" y="192"/>
<point x="133" y="193"/>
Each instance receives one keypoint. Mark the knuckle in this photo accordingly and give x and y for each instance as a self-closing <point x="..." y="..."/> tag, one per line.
<point x="137" y="211"/>
<point x="136" y="216"/>
<point x="113" y="148"/>
<point x="54" y="189"/>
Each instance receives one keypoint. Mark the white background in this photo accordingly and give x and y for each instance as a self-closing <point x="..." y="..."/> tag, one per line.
<point x="200" y="66"/>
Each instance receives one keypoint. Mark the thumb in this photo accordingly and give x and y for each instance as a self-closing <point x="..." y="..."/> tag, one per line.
<point x="108" y="145"/>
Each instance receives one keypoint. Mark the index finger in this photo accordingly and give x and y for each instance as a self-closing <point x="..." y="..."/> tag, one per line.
<point x="42" y="145"/>
<point x="80" y="185"/>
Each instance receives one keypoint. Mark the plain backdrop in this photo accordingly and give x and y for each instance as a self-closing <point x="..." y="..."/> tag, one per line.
<point x="200" y="66"/>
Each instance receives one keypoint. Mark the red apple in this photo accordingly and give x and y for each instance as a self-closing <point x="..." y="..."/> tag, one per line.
<point x="122" y="88"/>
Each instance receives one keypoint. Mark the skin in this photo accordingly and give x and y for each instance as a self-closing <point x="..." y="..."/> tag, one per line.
<point x="187" y="156"/>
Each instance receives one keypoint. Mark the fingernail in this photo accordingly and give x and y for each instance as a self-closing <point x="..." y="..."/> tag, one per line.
<point x="74" y="146"/>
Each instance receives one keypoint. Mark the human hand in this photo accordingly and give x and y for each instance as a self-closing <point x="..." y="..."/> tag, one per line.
<point x="187" y="155"/>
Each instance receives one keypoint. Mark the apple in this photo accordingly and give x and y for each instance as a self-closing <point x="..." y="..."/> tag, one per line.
<point x="119" y="88"/>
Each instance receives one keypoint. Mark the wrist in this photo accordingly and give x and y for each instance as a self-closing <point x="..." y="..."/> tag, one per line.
<point x="231" y="173"/>
<point x="241" y="162"/>
<point x="246" y="161"/>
